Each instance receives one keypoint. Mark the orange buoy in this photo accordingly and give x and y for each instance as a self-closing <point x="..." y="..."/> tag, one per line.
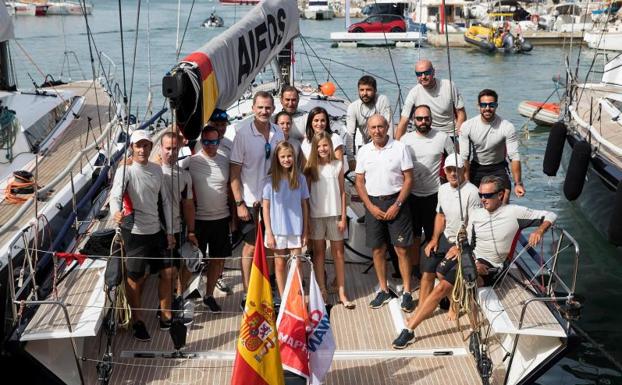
<point x="328" y="89"/>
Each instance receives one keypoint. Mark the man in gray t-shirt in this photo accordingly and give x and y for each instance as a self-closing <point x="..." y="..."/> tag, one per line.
<point x="440" y="94"/>
<point x="368" y="104"/>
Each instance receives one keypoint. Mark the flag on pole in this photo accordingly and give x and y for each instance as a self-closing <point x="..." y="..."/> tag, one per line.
<point x="320" y="339"/>
<point x="292" y="323"/>
<point x="257" y="359"/>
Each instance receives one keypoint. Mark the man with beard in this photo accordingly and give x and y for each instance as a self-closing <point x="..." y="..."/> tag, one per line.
<point x="427" y="148"/>
<point x="491" y="229"/>
<point x="485" y="142"/>
<point x="369" y="103"/>
<point x="250" y="160"/>
<point x="441" y="95"/>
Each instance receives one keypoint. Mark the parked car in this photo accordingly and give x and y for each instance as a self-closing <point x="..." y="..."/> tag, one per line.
<point x="380" y="23"/>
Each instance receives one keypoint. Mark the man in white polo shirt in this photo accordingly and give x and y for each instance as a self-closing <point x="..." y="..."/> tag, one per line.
<point x="440" y="94"/>
<point x="250" y="162"/>
<point x="427" y="148"/>
<point x="383" y="182"/>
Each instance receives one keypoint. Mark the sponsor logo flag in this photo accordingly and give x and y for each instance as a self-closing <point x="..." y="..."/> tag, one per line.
<point x="320" y="339"/>
<point x="292" y="323"/>
<point x="257" y="360"/>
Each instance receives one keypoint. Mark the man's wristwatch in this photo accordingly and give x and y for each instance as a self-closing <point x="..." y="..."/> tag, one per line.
<point x="239" y="203"/>
<point x="519" y="183"/>
<point x="398" y="203"/>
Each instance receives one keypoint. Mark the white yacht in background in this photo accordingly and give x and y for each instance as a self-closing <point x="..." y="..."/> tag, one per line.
<point x="69" y="8"/>
<point x="318" y="10"/>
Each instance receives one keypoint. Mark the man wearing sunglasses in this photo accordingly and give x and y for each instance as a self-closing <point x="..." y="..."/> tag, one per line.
<point x="359" y="111"/>
<point x="383" y="181"/>
<point x="486" y="141"/>
<point x="492" y="230"/>
<point x="209" y="170"/>
<point x="250" y="163"/>
<point x="220" y="121"/>
<point x="441" y="95"/>
<point x="427" y="148"/>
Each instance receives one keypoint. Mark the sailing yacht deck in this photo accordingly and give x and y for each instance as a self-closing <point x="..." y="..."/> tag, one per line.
<point x="605" y="125"/>
<point x="72" y="141"/>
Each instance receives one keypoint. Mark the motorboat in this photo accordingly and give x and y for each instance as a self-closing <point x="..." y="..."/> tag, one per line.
<point x="606" y="37"/>
<point x="318" y="10"/>
<point x="431" y="14"/>
<point x="495" y="40"/>
<point x="214" y="21"/>
<point x="544" y="114"/>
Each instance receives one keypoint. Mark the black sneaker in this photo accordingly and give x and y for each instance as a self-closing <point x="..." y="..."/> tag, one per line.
<point x="382" y="298"/>
<point x="408" y="304"/>
<point x="140" y="331"/>
<point x="211" y="305"/>
<point x="444" y="304"/>
<point x="165" y="324"/>
<point x="405" y="338"/>
<point x="188" y="313"/>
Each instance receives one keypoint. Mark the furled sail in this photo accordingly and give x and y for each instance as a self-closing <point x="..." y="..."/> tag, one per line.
<point x="217" y="74"/>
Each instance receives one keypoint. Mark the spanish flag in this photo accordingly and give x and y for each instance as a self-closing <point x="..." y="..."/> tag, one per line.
<point x="258" y="359"/>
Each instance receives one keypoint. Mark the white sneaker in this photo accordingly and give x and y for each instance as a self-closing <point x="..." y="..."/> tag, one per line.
<point x="188" y="316"/>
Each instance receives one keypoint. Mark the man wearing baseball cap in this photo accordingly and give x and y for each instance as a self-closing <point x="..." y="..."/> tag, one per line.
<point x="134" y="204"/>
<point x="220" y="120"/>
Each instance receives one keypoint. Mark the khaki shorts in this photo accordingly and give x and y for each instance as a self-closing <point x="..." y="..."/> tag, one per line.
<point x="325" y="228"/>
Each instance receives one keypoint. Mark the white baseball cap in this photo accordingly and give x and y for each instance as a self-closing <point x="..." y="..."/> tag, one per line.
<point x="139" y="135"/>
<point x="450" y="161"/>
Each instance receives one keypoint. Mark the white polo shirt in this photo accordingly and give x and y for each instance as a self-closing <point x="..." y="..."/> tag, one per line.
<point x="249" y="152"/>
<point x="383" y="167"/>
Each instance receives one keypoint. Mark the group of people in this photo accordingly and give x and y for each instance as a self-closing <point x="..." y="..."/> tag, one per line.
<point x="286" y="173"/>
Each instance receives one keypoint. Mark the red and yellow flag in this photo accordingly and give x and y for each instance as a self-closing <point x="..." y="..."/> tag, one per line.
<point x="258" y="360"/>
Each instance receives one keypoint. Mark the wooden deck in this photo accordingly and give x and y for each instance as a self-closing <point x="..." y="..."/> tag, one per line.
<point x="610" y="130"/>
<point x="72" y="141"/>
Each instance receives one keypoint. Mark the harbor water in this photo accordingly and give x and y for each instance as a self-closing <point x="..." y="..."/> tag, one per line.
<point x="41" y="42"/>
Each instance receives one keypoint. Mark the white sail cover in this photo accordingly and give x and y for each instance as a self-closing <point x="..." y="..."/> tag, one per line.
<point x="230" y="62"/>
<point x="6" y="23"/>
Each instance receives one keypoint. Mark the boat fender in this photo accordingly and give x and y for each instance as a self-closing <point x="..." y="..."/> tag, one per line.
<point x="577" y="170"/>
<point x="554" y="149"/>
<point x="614" y="232"/>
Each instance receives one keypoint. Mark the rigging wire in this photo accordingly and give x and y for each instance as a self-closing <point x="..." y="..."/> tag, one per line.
<point x="129" y="104"/>
<point x="183" y="37"/>
<point x="122" y="52"/>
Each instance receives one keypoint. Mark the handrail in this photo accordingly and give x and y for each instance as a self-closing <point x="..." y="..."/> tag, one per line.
<point x="602" y="141"/>
<point x="44" y="191"/>
<point x="73" y="343"/>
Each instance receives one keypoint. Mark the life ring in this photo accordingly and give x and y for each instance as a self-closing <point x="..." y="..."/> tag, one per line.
<point x="614" y="232"/>
<point x="554" y="149"/>
<point x="577" y="170"/>
<point x="535" y="19"/>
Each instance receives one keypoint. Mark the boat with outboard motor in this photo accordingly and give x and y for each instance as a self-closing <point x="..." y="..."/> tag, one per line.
<point x="493" y="40"/>
<point x="76" y="335"/>
<point x="213" y="21"/>
<point x="587" y="143"/>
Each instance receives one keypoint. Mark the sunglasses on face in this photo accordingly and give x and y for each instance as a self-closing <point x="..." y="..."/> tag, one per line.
<point x="488" y="195"/>
<point x="491" y="105"/>
<point x="422" y="118"/>
<point x="267" y="148"/>
<point x="208" y="142"/>
<point x="426" y="72"/>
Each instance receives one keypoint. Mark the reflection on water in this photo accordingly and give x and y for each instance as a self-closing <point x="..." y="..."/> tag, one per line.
<point x="515" y="77"/>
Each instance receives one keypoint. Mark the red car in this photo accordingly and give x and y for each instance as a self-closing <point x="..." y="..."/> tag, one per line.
<point x="380" y="23"/>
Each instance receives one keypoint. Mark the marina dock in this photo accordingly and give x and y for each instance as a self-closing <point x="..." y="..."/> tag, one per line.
<point x="398" y="39"/>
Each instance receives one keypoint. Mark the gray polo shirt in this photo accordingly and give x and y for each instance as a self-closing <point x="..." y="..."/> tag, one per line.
<point x="488" y="143"/>
<point x="439" y="100"/>
<point x="178" y="186"/>
<point x="356" y="120"/>
<point x="427" y="154"/>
